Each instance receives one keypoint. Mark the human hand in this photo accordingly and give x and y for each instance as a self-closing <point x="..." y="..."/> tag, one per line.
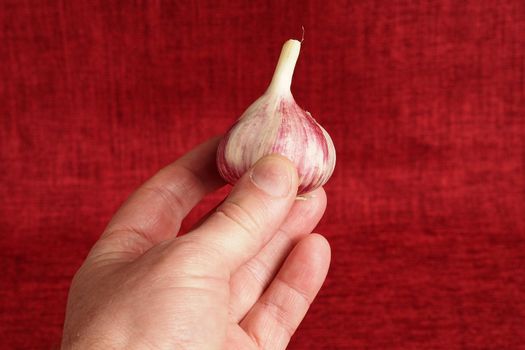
<point x="223" y="285"/>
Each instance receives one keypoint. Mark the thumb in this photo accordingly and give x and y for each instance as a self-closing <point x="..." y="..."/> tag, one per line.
<point x="252" y="213"/>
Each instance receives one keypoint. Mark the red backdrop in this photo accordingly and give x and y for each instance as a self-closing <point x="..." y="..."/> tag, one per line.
<point x="425" y="101"/>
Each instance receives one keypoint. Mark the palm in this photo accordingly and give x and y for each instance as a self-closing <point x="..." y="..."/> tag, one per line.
<point x="201" y="296"/>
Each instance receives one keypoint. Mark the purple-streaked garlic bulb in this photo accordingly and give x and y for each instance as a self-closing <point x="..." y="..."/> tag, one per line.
<point x="274" y="123"/>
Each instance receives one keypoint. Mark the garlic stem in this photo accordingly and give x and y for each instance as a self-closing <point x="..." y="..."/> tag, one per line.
<point x="282" y="77"/>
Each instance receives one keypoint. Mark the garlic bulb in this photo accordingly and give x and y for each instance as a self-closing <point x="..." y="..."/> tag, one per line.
<point x="274" y="123"/>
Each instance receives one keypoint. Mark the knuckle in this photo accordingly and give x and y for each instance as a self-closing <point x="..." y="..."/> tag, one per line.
<point x="259" y="270"/>
<point x="172" y="199"/>
<point x="240" y="217"/>
<point x="295" y="292"/>
<point x="285" y="300"/>
<point x="280" y="315"/>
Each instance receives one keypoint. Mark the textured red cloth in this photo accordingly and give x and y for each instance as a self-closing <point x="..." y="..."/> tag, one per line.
<point x="425" y="101"/>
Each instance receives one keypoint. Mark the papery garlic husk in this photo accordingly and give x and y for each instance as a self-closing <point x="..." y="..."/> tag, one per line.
<point x="274" y="123"/>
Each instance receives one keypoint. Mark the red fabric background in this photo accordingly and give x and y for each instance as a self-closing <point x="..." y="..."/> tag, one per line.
<point x="425" y="101"/>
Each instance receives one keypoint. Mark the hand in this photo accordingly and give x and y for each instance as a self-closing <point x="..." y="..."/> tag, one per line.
<point x="243" y="279"/>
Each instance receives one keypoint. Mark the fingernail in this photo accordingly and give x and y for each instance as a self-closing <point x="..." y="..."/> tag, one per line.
<point x="273" y="176"/>
<point x="304" y="197"/>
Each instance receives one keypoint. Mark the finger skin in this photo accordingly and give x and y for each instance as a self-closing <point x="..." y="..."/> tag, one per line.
<point x="277" y="314"/>
<point x="251" y="214"/>
<point x="249" y="281"/>
<point x="154" y="212"/>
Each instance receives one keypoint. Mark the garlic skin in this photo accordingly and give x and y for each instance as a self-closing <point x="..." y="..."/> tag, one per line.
<point x="274" y="123"/>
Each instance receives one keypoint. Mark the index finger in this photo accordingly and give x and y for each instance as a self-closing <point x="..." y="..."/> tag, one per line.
<point x="154" y="212"/>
